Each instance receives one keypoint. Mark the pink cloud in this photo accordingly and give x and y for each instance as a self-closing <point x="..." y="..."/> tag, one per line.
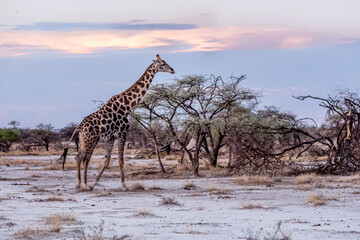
<point x="198" y="39"/>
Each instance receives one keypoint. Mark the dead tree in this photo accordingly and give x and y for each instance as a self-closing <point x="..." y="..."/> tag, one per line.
<point x="335" y="146"/>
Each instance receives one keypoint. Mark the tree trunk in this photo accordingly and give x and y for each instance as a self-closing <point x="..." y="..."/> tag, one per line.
<point x="47" y="146"/>
<point x="196" y="164"/>
<point x="230" y="156"/>
<point x="158" y="154"/>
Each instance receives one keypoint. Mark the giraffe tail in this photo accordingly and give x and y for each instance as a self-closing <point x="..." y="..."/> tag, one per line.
<point x="63" y="156"/>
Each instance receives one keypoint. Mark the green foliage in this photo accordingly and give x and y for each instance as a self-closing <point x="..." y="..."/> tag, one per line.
<point x="7" y="137"/>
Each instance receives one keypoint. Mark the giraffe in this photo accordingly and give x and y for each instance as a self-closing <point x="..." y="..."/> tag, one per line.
<point x="109" y="123"/>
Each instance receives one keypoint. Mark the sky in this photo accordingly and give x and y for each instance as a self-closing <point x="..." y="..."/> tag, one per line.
<point x="57" y="56"/>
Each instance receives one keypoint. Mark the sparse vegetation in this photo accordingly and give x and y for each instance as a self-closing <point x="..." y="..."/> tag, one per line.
<point x="251" y="180"/>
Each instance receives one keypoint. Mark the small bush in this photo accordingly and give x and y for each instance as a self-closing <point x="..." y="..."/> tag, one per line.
<point x="168" y="201"/>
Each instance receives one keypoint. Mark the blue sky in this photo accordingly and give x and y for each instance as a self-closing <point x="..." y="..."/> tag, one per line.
<point x="58" y="56"/>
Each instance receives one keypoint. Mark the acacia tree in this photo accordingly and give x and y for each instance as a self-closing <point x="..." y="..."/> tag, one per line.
<point x="144" y="115"/>
<point x="46" y="134"/>
<point x="199" y="107"/>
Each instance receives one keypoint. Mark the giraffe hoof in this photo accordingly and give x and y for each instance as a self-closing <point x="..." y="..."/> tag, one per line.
<point x="78" y="186"/>
<point x="85" y="187"/>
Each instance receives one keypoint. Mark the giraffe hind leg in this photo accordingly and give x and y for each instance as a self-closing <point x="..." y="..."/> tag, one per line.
<point x="121" y="144"/>
<point x="79" y="158"/>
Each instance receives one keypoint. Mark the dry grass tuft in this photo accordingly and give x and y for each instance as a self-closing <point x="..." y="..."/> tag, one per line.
<point x="190" y="186"/>
<point x="52" y="224"/>
<point x="155" y="187"/>
<point x="137" y="186"/>
<point x="144" y="213"/>
<point x="305" y="178"/>
<point x="251" y="180"/>
<point x="316" y="199"/>
<point x="26" y="233"/>
<point x="63" y="218"/>
<point x="250" y="206"/>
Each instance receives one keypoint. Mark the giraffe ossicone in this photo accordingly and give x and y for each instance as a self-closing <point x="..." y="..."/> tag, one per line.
<point x="109" y="123"/>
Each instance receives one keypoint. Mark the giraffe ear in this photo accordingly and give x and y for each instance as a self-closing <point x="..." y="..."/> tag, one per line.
<point x="158" y="58"/>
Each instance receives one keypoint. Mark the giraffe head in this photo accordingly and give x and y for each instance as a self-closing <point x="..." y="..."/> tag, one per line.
<point x="162" y="66"/>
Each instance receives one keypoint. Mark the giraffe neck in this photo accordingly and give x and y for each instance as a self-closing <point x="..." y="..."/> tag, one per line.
<point x="132" y="96"/>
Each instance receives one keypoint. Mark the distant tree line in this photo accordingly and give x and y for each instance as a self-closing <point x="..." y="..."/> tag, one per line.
<point x="32" y="139"/>
<point x="201" y="116"/>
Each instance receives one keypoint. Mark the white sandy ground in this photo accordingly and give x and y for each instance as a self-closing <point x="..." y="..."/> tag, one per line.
<point x="214" y="210"/>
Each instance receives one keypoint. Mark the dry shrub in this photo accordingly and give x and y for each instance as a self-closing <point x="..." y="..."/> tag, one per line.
<point x="168" y="201"/>
<point x="251" y="180"/>
<point x="316" y="199"/>
<point x="190" y="186"/>
<point x="250" y="206"/>
<point x="137" y="186"/>
<point x="305" y="178"/>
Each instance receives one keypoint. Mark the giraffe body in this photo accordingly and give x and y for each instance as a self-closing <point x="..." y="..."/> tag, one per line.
<point x="109" y="123"/>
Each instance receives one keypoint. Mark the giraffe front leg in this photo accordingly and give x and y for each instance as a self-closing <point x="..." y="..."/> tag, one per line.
<point x="108" y="147"/>
<point x="121" y="144"/>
